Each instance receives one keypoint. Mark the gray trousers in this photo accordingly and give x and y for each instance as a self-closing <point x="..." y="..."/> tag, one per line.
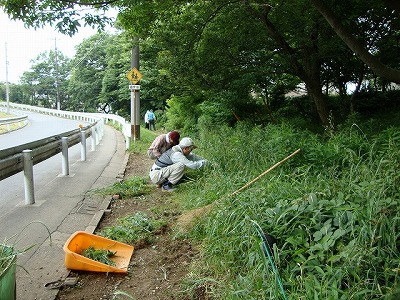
<point x="172" y="173"/>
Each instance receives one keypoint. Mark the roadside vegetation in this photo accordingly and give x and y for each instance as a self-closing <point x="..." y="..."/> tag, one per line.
<point x="134" y="229"/>
<point x="333" y="209"/>
<point x="129" y="188"/>
<point x="8" y="127"/>
<point x="251" y="83"/>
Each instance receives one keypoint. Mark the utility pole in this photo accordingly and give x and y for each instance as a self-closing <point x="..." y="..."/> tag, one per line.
<point x="7" y="85"/>
<point x="56" y="71"/>
<point x="135" y="92"/>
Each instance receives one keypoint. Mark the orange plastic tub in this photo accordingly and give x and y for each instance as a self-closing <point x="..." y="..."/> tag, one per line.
<point x="82" y="240"/>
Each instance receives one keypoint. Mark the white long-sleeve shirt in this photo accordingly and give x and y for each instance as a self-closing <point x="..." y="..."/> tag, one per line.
<point x="191" y="161"/>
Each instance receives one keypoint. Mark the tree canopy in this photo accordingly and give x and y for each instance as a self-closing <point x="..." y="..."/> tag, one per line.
<point x="65" y="15"/>
<point x="238" y="56"/>
<point x="45" y="84"/>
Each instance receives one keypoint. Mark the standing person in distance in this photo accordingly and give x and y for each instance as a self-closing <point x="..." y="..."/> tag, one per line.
<point x="146" y="119"/>
<point x="162" y="143"/>
<point x="152" y="119"/>
<point x="168" y="169"/>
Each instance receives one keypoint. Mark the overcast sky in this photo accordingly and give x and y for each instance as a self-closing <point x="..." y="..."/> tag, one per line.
<point x="23" y="45"/>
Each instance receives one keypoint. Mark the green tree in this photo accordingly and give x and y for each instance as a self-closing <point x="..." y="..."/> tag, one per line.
<point x="88" y="67"/>
<point x="381" y="24"/>
<point x="65" y="15"/>
<point x="47" y="81"/>
<point x="115" y="84"/>
<point x="250" y="50"/>
<point x="246" y="54"/>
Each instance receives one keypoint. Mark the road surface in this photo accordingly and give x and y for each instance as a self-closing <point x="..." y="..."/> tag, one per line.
<point x="62" y="204"/>
<point x="39" y="126"/>
<point x="12" y="193"/>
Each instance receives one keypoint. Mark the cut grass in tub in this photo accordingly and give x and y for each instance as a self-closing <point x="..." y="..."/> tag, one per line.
<point x="7" y="254"/>
<point x="100" y="255"/>
<point x="134" y="229"/>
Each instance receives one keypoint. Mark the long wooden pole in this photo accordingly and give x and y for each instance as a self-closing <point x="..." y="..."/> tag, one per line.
<point x="186" y="219"/>
<point x="265" y="172"/>
<point x="135" y="95"/>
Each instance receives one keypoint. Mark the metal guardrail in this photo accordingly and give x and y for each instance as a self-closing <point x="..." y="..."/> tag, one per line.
<point x="12" y="159"/>
<point x="124" y="125"/>
<point x="5" y="123"/>
<point x="22" y="158"/>
<point x="11" y="120"/>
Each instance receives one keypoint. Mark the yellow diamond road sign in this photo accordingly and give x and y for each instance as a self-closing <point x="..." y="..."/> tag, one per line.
<point x="134" y="75"/>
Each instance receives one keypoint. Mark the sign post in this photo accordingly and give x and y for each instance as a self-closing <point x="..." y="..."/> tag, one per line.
<point x="134" y="77"/>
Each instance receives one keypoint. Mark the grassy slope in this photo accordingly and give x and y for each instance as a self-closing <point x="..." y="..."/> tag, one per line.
<point x="333" y="209"/>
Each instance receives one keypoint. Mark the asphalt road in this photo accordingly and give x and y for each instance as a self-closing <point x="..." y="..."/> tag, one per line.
<point x="12" y="193"/>
<point x="39" y="126"/>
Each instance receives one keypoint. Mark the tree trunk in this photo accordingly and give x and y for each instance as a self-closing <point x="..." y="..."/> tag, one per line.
<point x="356" y="91"/>
<point x="374" y="63"/>
<point x="269" y="111"/>
<point x="314" y="92"/>
<point x="309" y="71"/>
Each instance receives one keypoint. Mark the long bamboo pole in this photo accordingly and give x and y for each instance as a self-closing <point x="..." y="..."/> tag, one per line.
<point x="265" y="172"/>
<point x="186" y="219"/>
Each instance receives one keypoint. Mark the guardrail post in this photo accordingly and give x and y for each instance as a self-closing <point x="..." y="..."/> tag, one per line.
<point x="126" y="129"/>
<point x="93" y="138"/>
<point x="64" y="149"/>
<point x="102" y="129"/>
<point x="83" y="145"/>
<point x="98" y="133"/>
<point x="28" y="177"/>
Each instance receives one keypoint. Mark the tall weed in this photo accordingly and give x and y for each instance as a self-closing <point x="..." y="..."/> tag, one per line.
<point x="333" y="209"/>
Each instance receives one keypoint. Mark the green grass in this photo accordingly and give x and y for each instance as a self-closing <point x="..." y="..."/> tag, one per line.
<point x="101" y="255"/>
<point x="146" y="138"/>
<point x="334" y="209"/>
<point x="9" y="250"/>
<point x="128" y="188"/>
<point x="133" y="228"/>
<point x="7" y="254"/>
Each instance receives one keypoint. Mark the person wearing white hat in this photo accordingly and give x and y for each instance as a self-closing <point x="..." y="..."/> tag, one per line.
<point x="168" y="169"/>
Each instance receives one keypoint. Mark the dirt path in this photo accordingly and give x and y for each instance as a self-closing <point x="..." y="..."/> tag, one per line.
<point x="156" y="269"/>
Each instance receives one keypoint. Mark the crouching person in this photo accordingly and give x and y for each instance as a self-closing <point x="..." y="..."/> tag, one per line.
<point x="168" y="169"/>
<point x="162" y="143"/>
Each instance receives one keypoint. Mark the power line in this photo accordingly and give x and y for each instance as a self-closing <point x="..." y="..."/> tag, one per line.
<point x="101" y="39"/>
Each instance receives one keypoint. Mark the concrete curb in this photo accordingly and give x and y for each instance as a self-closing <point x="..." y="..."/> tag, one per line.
<point x="91" y="228"/>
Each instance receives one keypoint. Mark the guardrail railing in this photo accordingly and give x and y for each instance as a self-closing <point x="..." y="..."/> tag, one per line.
<point x="124" y="125"/>
<point x="22" y="158"/>
<point x="5" y="123"/>
<point x="11" y="120"/>
<point x="11" y="159"/>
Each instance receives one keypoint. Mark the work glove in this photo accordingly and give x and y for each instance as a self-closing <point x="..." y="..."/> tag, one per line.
<point x="204" y="162"/>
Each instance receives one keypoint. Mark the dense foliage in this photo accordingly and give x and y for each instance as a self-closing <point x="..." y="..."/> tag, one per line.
<point x="228" y="60"/>
<point x="46" y="83"/>
<point x="222" y="72"/>
<point x="334" y="209"/>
